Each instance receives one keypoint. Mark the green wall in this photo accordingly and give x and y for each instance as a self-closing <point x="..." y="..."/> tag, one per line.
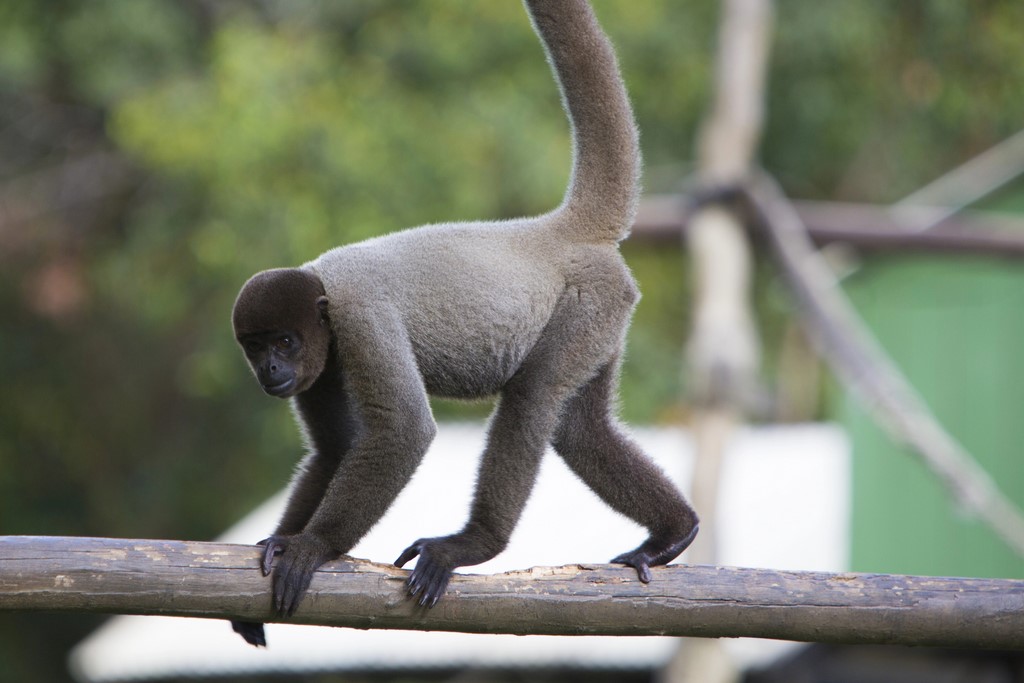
<point x="955" y="325"/>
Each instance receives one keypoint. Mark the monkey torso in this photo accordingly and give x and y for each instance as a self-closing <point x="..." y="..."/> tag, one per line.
<point x="474" y="298"/>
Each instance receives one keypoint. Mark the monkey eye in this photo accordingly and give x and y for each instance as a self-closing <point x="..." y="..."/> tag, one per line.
<point x="252" y="347"/>
<point x="283" y="343"/>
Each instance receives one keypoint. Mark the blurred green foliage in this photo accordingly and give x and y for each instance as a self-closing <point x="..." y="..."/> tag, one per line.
<point x="155" y="153"/>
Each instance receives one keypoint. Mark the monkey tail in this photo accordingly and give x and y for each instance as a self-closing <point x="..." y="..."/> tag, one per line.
<point x="600" y="202"/>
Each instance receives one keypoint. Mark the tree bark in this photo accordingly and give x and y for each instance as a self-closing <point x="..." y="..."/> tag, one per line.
<point x="178" y="578"/>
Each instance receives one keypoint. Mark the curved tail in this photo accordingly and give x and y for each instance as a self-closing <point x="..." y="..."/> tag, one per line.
<point x="600" y="202"/>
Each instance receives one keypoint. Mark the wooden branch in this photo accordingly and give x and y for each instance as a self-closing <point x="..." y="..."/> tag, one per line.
<point x="731" y="132"/>
<point x="663" y="219"/>
<point x="178" y="578"/>
<point x="723" y="350"/>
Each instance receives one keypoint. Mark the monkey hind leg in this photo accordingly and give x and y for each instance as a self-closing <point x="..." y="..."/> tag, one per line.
<point x="505" y="479"/>
<point x="582" y="333"/>
<point x="593" y="445"/>
<point x="654" y="552"/>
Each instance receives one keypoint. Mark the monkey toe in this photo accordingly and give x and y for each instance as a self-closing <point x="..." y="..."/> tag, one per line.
<point x="408" y="554"/>
<point x="429" y="578"/>
<point x="655" y="553"/>
<point x="251" y="631"/>
<point x="638" y="560"/>
<point x="429" y="583"/>
<point x="290" y="583"/>
<point x="272" y="546"/>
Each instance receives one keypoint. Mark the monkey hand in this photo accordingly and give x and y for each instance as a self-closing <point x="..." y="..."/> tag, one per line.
<point x="301" y="555"/>
<point x="429" y="578"/>
<point x="653" y="553"/>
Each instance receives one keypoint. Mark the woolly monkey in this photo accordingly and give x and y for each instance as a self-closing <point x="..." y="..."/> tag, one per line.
<point x="533" y="309"/>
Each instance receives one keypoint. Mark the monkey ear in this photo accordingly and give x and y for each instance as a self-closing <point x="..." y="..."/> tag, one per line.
<point x="321" y="304"/>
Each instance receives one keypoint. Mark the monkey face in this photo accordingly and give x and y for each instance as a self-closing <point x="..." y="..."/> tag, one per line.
<point x="276" y="360"/>
<point x="280" y="321"/>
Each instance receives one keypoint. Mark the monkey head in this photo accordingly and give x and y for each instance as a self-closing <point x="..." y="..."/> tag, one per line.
<point x="280" y="321"/>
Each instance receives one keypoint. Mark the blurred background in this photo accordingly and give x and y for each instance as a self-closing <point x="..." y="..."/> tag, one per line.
<point x="155" y="153"/>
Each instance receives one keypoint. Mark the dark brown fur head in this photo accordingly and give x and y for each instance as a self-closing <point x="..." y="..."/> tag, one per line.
<point x="280" y="321"/>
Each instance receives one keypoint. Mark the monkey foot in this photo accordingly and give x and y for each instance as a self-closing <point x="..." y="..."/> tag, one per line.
<point x="429" y="578"/>
<point x="251" y="631"/>
<point x="652" y="554"/>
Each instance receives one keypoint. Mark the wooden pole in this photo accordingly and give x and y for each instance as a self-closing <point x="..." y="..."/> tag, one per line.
<point x="662" y="219"/>
<point x="723" y="352"/>
<point x="213" y="580"/>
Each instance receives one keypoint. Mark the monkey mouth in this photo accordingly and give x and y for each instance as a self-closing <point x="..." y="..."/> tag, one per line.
<point x="280" y="389"/>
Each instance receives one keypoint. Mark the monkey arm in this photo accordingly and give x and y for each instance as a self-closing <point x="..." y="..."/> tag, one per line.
<point x="315" y="472"/>
<point x="331" y="426"/>
<point x="395" y="430"/>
